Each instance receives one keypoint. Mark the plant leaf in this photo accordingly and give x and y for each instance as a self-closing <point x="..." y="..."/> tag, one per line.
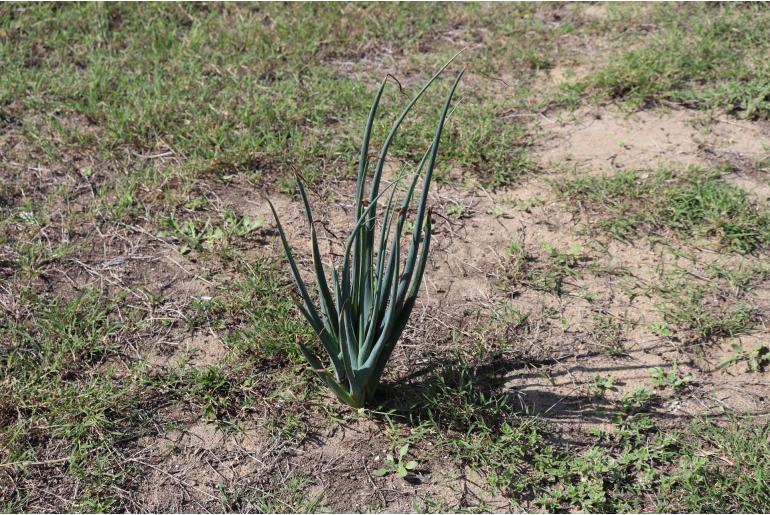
<point x="327" y="305"/>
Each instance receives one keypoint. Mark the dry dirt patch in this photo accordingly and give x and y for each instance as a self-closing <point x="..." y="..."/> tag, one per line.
<point x="603" y="139"/>
<point x="189" y="467"/>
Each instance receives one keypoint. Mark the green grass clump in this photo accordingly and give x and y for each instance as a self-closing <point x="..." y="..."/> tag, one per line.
<point x="65" y="398"/>
<point x="637" y="462"/>
<point x="726" y="469"/>
<point x="692" y="204"/>
<point x="550" y="271"/>
<point x="705" y="56"/>
<point x="705" y="312"/>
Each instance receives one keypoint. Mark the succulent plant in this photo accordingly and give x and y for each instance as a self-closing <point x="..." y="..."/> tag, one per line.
<point x="360" y="318"/>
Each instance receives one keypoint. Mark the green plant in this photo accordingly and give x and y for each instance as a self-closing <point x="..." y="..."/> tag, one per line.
<point x="457" y="211"/>
<point x="359" y="324"/>
<point x="672" y="378"/>
<point x="757" y="358"/>
<point x="559" y="266"/>
<point x="198" y="236"/>
<point x="694" y="202"/>
<point x="610" y="333"/>
<point x="636" y="399"/>
<point x="660" y="329"/>
<point x="604" y="383"/>
<point x="396" y="464"/>
<point x="514" y="248"/>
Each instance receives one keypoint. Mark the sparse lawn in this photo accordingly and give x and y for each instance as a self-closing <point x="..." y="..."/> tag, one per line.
<point x="583" y="341"/>
<point x="709" y="57"/>
<point x="693" y="203"/>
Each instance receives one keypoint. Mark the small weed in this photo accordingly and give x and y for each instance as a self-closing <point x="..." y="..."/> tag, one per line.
<point x="548" y="274"/>
<point x="213" y="389"/>
<point x="515" y="249"/>
<point x="636" y="399"/>
<point x="660" y="329"/>
<point x="757" y="358"/>
<point x="516" y="265"/>
<point x="697" y="309"/>
<point x="610" y="333"/>
<point x="529" y="203"/>
<point x="672" y="378"/>
<point x="285" y="496"/>
<point x="396" y="464"/>
<point x="513" y="318"/>
<point x="457" y="211"/>
<point x="562" y="265"/>
<point x="604" y="384"/>
<point x="198" y="236"/>
<point x="196" y="204"/>
<point x="497" y="211"/>
<point x="740" y="278"/>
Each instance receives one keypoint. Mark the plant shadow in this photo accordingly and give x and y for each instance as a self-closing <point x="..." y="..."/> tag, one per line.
<point x="458" y="397"/>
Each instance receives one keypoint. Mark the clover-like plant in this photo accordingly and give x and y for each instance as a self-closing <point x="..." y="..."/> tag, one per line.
<point x="361" y="316"/>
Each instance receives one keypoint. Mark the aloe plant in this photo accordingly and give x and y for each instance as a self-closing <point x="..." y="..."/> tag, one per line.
<point x="360" y="317"/>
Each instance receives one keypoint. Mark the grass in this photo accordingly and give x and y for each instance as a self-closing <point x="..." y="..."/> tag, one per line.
<point x="610" y="333"/>
<point x="136" y="141"/>
<point x="690" y="203"/>
<point x="198" y="82"/>
<point x="704" y="312"/>
<point x="73" y="395"/>
<point x="548" y="272"/>
<point x="707" y="57"/>
<point x="254" y="314"/>
<point x="625" y="468"/>
<point x="66" y="398"/>
<point x="196" y="235"/>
